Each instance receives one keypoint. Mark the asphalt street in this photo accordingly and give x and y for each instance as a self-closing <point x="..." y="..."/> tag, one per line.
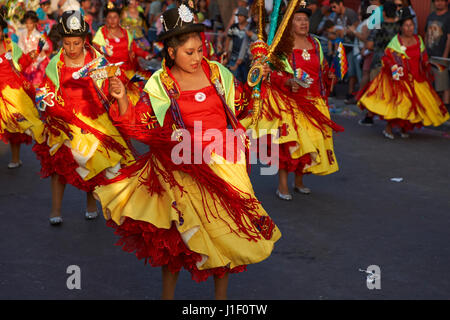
<point x="353" y="219"/>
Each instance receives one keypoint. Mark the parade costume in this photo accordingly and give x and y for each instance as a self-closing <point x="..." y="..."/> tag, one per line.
<point x="83" y="146"/>
<point x="301" y="119"/>
<point x="202" y="217"/>
<point x="36" y="71"/>
<point x="19" y="119"/>
<point x="136" y="26"/>
<point x="122" y="49"/>
<point x="402" y="93"/>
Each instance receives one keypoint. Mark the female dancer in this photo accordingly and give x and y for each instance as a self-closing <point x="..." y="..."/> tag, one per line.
<point x="402" y="93"/>
<point x="83" y="147"/>
<point x="295" y="104"/>
<point x="19" y="119"/>
<point x="171" y="211"/>
<point x="134" y="21"/>
<point x="117" y="44"/>
<point x="29" y="41"/>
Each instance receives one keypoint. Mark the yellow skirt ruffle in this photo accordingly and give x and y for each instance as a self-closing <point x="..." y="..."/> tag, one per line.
<point x="382" y="103"/>
<point x="19" y="115"/>
<point x="89" y="153"/>
<point x="208" y="236"/>
<point x="307" y="139"/>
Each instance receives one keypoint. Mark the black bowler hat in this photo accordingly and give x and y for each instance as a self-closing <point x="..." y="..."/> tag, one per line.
<point x="3" y="18"/>
<point x="111" y="6"/>
<point x="303" y="8"/>
<point x="179" y="21"/>
<point x="404" y="14"/>
<point x="72" y="24"/>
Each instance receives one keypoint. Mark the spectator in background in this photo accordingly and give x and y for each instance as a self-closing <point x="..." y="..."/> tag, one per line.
<point x="328" y="45"/>
<point x="86" y="11"/>
<point x="359" y="50"/>
<point x="97" y="14"/>
<point x="202" y="13"/>
<point x="54" y="9"/>
<point x="170" y="4"/>
<point x="316" y="16"/>
<point x="236" y="33"/>
<point x="407" y="4"/>
<point x="45" y="24"/>
<point x="327" y="14"/>
<point x="68" y="5"/>
<point x="154" y="13"/>
<point x="234" y="17"/>
<point x="251" y="36"/>
<point x="214" y="15"/>
<point x="345" y="18"/>
<point x="133" y="20"/>
<point x="377" y="41"/>
<point x="437" y="41"/>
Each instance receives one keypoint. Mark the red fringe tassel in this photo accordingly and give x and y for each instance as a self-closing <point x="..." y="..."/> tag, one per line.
<point x="164" y="247"/>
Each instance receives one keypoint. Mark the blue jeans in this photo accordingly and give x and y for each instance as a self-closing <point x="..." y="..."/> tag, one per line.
<point x="242" y="70"/>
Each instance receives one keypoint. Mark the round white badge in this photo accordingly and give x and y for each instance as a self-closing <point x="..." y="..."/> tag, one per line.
<point x="200" y="97"/>
<point x="1" y="60"/>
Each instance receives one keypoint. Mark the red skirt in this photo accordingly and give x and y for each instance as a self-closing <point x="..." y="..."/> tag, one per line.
<point x="64" y="165"/>
<point x="293" y="165"/>
<point x="162" y="247"/>
<point x="15" y="138"/>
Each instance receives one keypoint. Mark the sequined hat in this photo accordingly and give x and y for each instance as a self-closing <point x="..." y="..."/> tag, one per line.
<point x="72" y="24"/>
<point x="303" y="8"/>
<point x="404" y="14"/>
<point x="111" y="6"/>
<point x="179" y="21"/>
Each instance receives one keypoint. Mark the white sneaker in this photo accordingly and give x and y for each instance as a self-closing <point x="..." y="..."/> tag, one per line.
<point x="15" y="165"/>
<point x="404" y="135"/>
<point x="303" y="190"/>
<point x="388" y="135"/>
<point x="286" y="197"/>
<point x="91" y="215"/>
<point x="55" y="221"/>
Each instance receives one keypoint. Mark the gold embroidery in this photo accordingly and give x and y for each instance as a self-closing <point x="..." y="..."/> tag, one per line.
<point x="149" y="120"/>
<point x="60" y="100"/>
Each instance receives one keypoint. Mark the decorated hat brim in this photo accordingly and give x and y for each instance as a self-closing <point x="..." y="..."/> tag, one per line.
<point x="403" y="19"/>
<point x="77" y="33"/>
<point x="306" y="11"/>
<point x="197" y="27"/>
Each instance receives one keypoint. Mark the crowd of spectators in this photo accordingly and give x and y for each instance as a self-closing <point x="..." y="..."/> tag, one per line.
<point x="331" y="21"/>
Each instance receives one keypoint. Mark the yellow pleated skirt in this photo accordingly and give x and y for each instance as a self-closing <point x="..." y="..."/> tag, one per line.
<point x="210" y="237"/>
<point x="298" y="130"/>
<point x="19" y="115"/>
<point x="383" y="104"/>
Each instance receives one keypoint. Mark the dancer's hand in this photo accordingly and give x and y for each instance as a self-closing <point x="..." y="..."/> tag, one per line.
<point x="117" y="89"/>
<point x="291" y="83"/>
<point x="266" y="70"/>
<point x="33" y="54"/>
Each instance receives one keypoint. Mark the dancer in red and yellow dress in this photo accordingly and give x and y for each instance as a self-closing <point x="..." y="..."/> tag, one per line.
<point x="19" y="119"/>
<point x="83" y="147"/>
<point x="177" y="213"/>
<point x="118" y="45"/>
<point x="294" y="104"/>
<point x="402" y="94"/>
